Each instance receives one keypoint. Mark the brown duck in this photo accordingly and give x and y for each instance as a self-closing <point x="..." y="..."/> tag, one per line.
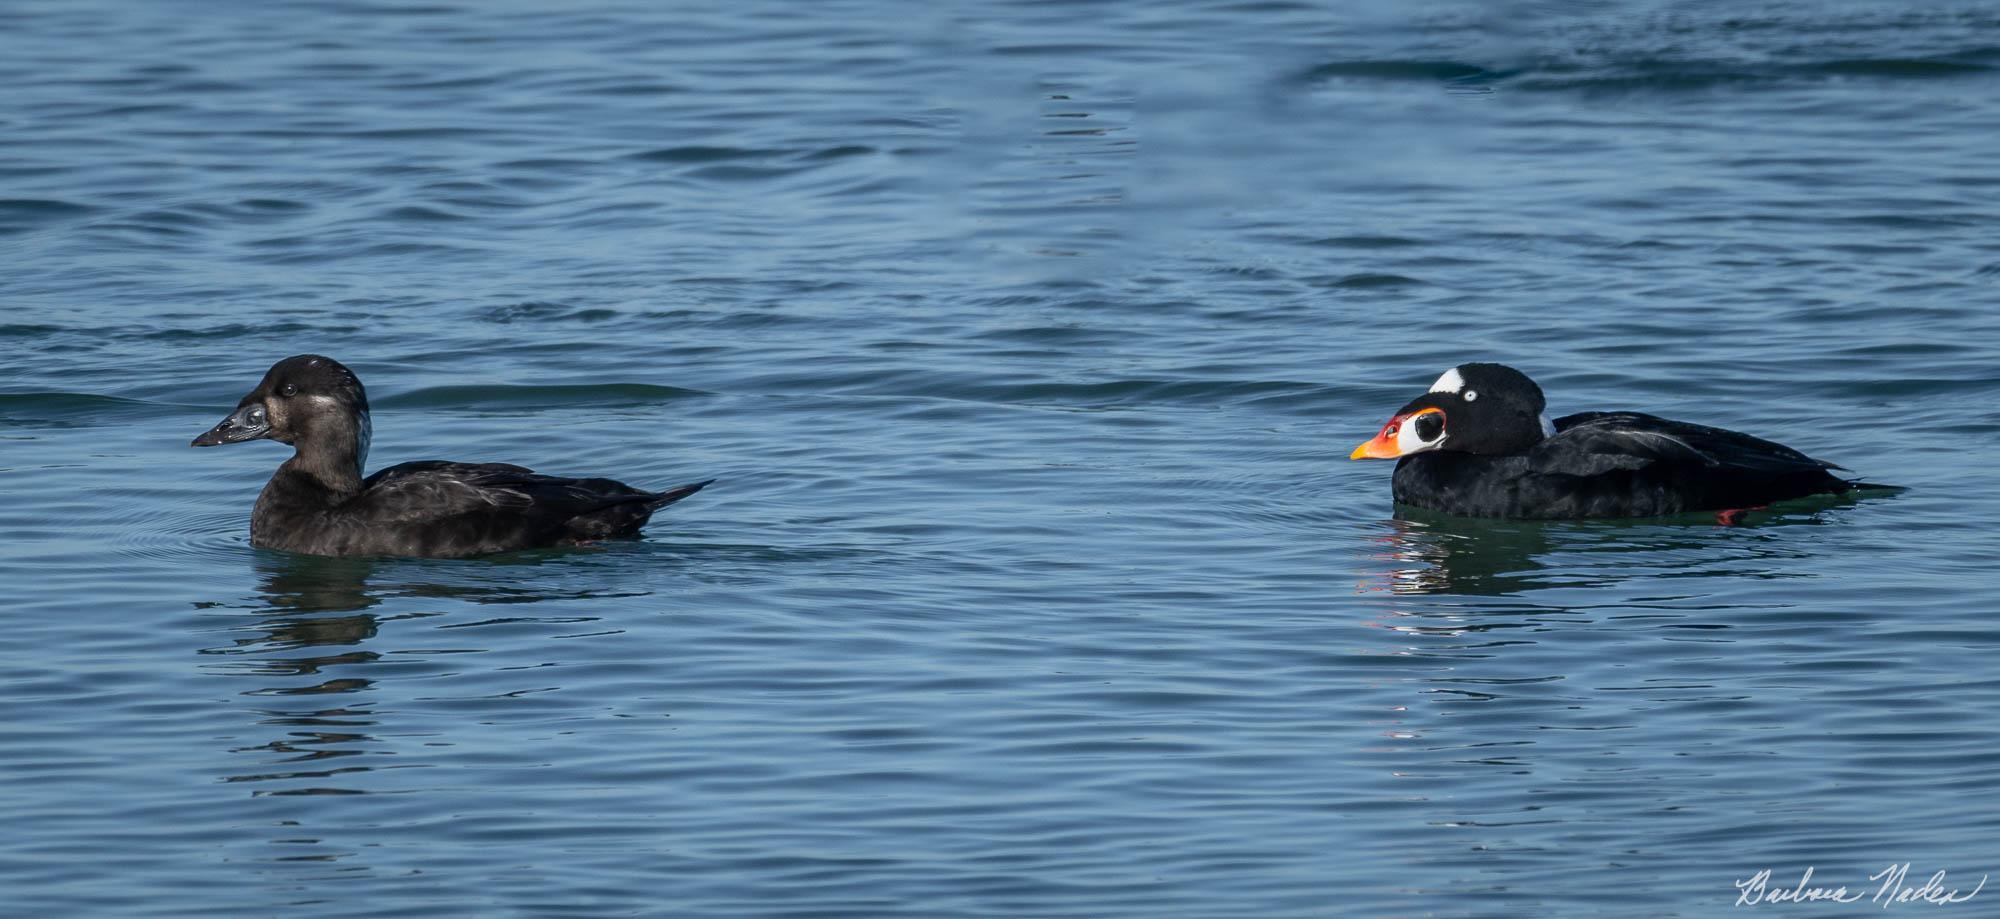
<point x="318" y="503"/>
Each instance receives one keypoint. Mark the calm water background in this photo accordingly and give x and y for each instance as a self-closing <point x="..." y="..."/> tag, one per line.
<point x="1028" y="341"/>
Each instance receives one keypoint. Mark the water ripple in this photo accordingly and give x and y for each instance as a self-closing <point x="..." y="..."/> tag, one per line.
<point x="1028" y="345"/>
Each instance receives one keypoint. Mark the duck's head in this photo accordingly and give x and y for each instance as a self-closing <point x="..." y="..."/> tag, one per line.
<point x="303" y="399"/>
<point x="1490" y="409"/>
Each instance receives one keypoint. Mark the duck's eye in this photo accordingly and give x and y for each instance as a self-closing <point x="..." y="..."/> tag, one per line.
<point x="288" y="390"/>
<point x="1470" y="395"/>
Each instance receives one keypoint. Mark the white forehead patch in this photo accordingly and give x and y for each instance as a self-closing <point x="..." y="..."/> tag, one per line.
<point x="1450" y="382"/>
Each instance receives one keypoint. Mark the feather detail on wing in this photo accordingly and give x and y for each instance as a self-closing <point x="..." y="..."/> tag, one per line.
<point x="1595" y="442"/>
<point x="437" y="489"/>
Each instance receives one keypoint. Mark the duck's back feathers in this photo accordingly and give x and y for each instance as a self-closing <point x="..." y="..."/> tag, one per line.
<point x="443" y="509"/>
<point x="437" y="488"/>
<point x="1636" y="440"/>
<point x="1616" y="464"/>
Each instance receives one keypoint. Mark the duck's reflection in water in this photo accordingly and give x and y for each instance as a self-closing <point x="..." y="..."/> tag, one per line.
<point x="311" y="631"/>
<point x="312" y="644"/>
<point x="1497" y="670"/>
<point x="1424" y="552"/>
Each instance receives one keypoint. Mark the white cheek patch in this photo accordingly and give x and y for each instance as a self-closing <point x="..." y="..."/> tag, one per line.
<point x="1408" y="442"/>
<point x="1450" y="382"/>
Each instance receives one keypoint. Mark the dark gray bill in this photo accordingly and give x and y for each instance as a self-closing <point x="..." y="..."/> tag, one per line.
<point x="248" y="423"/>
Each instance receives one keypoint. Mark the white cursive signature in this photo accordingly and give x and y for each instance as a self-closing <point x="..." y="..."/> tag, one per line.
<point x="1894" y="889"/>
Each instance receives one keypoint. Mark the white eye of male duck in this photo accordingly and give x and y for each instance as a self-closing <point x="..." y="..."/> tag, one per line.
<point x="1478" y="444"/>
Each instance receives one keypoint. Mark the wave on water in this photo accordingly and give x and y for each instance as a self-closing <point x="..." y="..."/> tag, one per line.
<point x="1663" y="74"/>
<point x="19" y="215"/>
<point x="1684" y="50"/>
<point x="67" y="409"/>
<point x="179" y="531"/>
<point x="986" y="388"/>
<point x="530" y="397"/>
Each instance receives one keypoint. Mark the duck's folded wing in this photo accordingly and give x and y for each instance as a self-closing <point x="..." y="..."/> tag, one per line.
<point x="1597" y="442"/>
<point x="406" y="472"/>
<point x="434" y="489"/>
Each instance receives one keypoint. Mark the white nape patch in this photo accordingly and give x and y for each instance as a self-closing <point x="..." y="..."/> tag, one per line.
<point x="1450" y="382"/>
<point x="1548" y="427"/>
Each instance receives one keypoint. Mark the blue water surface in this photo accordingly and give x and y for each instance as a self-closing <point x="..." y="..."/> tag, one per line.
<point x="1028" y="341"/>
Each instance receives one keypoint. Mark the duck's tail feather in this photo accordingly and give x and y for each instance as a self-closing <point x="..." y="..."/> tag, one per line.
<point x="662" y="499"/>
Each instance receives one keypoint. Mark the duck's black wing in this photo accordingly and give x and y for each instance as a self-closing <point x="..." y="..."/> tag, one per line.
<point x="1636" y="439"/>
<point x="1612" y="464"/>
<point x="439" y="508"/>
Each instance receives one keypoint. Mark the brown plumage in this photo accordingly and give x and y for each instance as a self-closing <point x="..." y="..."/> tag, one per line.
<point x="318" y="503"/>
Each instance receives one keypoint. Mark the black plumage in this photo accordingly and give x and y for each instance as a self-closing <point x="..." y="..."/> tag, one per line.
<point x="318" y="503"/>
<point x="1491" y="456"/>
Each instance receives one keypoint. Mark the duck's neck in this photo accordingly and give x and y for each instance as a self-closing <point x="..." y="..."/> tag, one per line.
<point x="301" y="499"/>
<point x="332" y="463"/>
